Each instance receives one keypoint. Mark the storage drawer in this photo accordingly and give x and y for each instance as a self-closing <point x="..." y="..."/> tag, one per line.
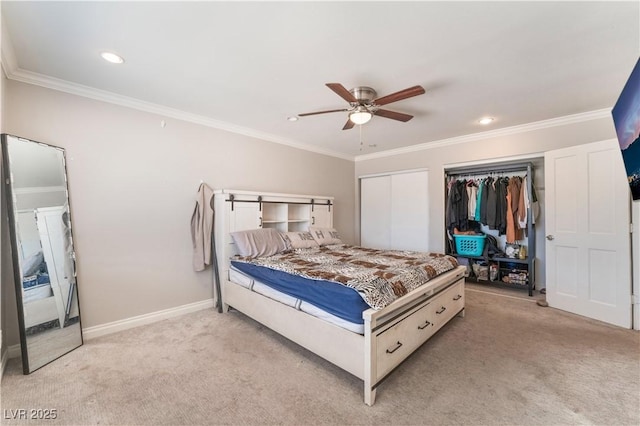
<point x="449" y="303"/>
<point x="392" y="346"/>
<point x="399" y="341"/>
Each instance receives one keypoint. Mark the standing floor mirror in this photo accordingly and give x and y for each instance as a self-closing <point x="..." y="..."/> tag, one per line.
<point x="43" y="255"/>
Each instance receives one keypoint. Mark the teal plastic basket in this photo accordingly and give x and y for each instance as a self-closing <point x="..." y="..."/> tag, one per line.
<point x="470" y="245"/>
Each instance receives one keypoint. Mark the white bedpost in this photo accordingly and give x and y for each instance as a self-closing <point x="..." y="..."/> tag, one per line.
<point x="369" y="359"/>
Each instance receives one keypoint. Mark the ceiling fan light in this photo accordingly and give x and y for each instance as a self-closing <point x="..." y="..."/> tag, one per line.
<point x="360" y="117"/>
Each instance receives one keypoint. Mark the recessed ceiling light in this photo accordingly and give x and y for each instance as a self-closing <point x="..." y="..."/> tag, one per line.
<point x="486" y="120"/>
<point x="112" y="57"/>
<point x="292" y="118"/>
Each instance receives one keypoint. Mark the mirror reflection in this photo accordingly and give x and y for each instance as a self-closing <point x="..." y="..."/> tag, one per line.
<point x="42" y="250"/>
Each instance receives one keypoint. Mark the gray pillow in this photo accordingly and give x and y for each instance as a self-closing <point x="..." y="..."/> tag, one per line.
<point x="325" y="236"/>
<point x="297" y="240"/>
<point x="258" y="242"/>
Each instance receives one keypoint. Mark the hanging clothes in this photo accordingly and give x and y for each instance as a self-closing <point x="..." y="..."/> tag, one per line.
<point x="492" y="203"/>
<point x="457" y="207"/>
<point x="201" y="228"/>
<point x="527" y="204"/>
<point x="501" y="205"/>
<point x="513" y="231"/>
<point x="523" y="204"/>
<point x="472" y="195"/>
<point x="478" y="213"/>
<point x="484" y="203"/>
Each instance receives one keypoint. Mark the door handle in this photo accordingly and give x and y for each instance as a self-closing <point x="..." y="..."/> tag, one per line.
<point x="550" y="237"/>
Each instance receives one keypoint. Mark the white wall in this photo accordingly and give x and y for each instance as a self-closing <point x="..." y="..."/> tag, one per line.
<point x="132" y="186"/>
<point x="527" y="143"/>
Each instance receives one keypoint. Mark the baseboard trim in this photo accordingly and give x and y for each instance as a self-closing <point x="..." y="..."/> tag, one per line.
<point x="12" y="351"/>
<point x="125" y="324"/>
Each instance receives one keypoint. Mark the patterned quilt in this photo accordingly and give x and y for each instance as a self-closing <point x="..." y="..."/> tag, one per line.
<point x="380" y="276"/>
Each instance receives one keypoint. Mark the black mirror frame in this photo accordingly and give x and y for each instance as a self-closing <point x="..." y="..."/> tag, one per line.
<point x="17" y="276"/>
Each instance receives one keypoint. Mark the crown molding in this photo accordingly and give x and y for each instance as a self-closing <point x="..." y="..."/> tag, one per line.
<point x="13" y="72"/>
<point x="523" y="128"/>
<point x="7" y="54"/>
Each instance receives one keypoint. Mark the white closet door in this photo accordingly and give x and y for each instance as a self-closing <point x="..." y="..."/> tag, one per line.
<point x="587" y="222"/>
<point x="394" y="211"/>
<point x="409" y="211"/>
<point x="375" y="212"/>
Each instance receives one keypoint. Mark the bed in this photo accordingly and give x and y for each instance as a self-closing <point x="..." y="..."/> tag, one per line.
<point x="368" y="342"/>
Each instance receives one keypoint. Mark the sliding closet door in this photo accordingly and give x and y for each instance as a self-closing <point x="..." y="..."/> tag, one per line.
<point x="409" y="211"/>
<point x="394" y="211"/>
<point x="375" y="212"/>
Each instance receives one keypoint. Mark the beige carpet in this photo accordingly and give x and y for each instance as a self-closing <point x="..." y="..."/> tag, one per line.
<point x="508" y="362"/>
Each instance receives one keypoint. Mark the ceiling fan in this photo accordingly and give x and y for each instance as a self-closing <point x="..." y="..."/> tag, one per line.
<point x="363" y="104"/>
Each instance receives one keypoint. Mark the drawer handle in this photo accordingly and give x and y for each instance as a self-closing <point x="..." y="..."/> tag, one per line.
<point x="441" y="310"/>
<point x="457" y="297"/>
<point x="398" y="345"/>
<point x="426" y="324"/>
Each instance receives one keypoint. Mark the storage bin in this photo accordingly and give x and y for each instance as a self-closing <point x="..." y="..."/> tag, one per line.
<point x="470" y="245"/>
<point x="481" y="271"/>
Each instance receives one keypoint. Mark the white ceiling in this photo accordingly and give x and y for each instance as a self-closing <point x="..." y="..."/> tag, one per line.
<point x="247" y="66"/>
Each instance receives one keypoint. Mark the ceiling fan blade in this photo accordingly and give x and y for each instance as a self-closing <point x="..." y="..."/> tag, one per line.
<point x="348" y="125"/>
<point x="342" y="92"/>
<point x="322" y="112"/>
<point x="393" y="115"/>
<point x="398" y="96"/>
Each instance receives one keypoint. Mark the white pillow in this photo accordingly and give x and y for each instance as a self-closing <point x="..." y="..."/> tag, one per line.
<point x="325" y="236"/>
<point x="297" y="240"/>
<point x="258" y="242"/>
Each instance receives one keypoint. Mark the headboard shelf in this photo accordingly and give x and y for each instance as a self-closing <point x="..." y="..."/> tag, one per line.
<point x="240" y="210"/>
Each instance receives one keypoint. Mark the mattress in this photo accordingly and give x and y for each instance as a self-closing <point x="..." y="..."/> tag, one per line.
<point x="36" y="293"/>
<point x="343" y="280"/>
<point x="379" y="277"/>
<point x="253" y="278"/>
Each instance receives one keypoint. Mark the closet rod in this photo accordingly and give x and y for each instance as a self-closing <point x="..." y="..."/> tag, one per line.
<point x="485" y="169"/>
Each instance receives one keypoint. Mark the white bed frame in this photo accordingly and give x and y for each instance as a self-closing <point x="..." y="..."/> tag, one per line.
<point x="390" y="334"/>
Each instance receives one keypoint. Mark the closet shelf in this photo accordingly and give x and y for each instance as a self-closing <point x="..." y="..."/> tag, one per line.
<point x="510" y="259"/>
